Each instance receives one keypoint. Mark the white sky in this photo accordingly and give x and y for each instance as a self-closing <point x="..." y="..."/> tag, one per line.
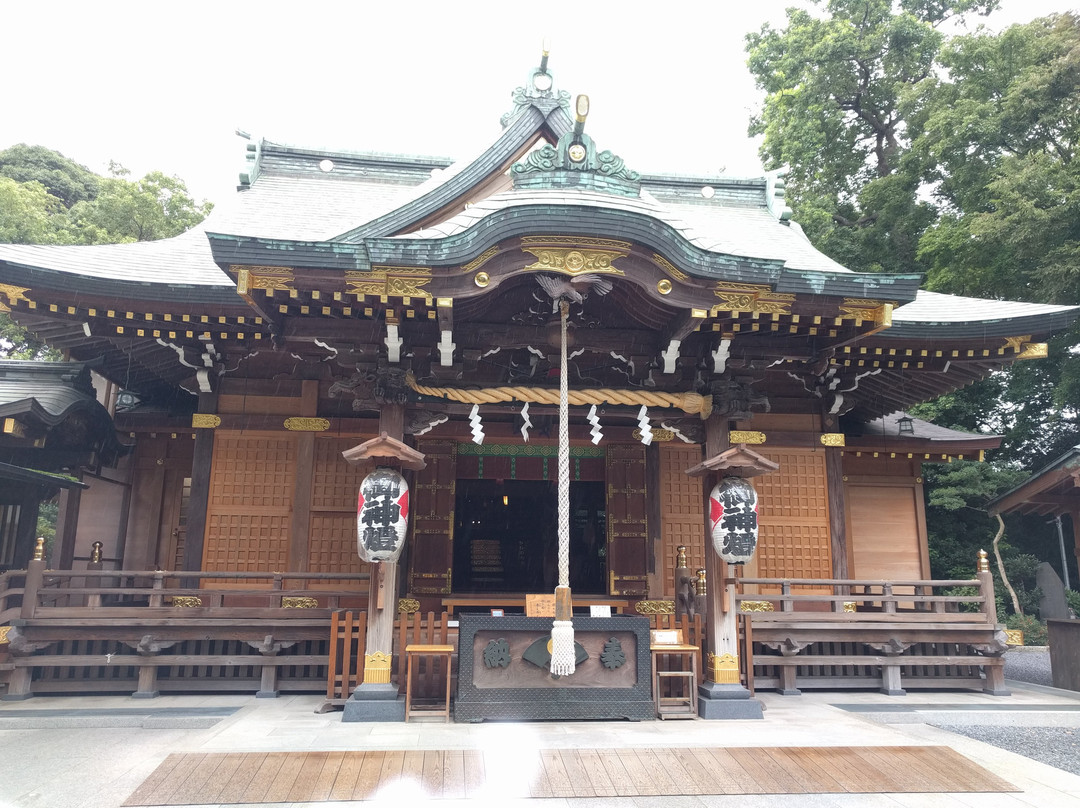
<point x="165" y="85"/>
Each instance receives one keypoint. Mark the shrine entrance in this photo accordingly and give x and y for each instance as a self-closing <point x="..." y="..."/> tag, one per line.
<point x="505" y="536"/>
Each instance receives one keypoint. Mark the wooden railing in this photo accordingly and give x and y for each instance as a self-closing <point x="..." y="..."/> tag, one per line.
<point x="867" y="596"/>
<point x="886" y="634"/>
<point x="114" y="594"/>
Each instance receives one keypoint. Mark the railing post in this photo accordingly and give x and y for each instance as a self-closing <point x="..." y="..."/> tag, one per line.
<point x="888" y="605"/>
<point x="35" y="577"/>
<point x="786" y="604"/>
<point x="986" y="588"/>
<point x="275" y="600"/>
<point x="159" y="583"/>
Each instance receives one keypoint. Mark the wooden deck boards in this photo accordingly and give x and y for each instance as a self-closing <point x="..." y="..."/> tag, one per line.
<point x="237" y="778"/>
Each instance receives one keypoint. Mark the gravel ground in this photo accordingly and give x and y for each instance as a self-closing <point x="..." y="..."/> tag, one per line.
<point x="1055" y="746"/>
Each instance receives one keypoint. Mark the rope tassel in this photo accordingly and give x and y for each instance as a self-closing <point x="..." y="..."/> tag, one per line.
<point x="563" y="653"/>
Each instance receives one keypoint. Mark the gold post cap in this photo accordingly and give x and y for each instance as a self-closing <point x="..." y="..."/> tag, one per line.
<point x="983" y="564"/>
<point x="39" y="549"/>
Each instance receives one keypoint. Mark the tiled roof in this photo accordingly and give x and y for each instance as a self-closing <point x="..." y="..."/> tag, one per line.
<point x="933" y="307"/>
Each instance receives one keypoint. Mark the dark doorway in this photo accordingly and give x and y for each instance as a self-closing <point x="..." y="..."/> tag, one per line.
<point x="505" y="536"/>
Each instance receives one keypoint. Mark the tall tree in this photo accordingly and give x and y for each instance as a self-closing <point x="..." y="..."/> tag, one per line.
<point x="64" y="179"/>
<point x="61" y="202"/>
<point x="835" y="85"/>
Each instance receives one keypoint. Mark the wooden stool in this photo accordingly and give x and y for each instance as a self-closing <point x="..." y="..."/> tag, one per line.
<point x="685" y="705"/>
<point x="433" y="651"/>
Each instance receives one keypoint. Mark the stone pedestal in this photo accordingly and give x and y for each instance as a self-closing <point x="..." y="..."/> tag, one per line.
<point x="718" y="702"/>
<point x="374" y="703"/>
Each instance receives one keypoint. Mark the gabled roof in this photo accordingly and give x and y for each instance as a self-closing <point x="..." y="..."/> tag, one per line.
<point x="1053" y="489"/>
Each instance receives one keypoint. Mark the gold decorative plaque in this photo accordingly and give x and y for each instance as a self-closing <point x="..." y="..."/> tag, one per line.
<point x="574" y="262"/>
<point x="850" y="606"/>
<point x="408" y="605"/>
<point x="14" y="293"/>
<point x="186" y="601"/>
<point x="3" y="634"/>
<point x="833" y="439"/>
<point x="298" y="602"/>
<point x="1034" y="350"/>
<point x="756" y="606"/>
<point x="201" y="420"/>
<point x="307" y="424"/>
<point x="658" y="435"/>
<point x="746" y="436"/>
<point x="1014" y="636"/>
<point x="1017" y="343"/>
<point x="655" y="607"/>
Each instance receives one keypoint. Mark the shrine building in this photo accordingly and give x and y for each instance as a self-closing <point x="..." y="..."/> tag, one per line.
<point x="346" y="299"/>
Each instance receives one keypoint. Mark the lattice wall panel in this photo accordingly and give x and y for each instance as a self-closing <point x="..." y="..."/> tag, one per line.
<point x="682" y="518"/>
<point x="246" y="542"/>
<point x="333" y="544"/>
<point x="793" y="511"/>
<point x="335" y="482"/>
<point x="252" y="472"/>
<point x="252" y="482"/>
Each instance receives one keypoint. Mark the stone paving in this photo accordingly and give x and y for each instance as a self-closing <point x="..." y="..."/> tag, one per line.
<point x="93" y="751"/>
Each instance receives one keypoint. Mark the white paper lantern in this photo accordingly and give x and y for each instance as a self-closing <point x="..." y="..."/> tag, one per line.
<point x="733" y="518"/>
<point x="382" y="515"/>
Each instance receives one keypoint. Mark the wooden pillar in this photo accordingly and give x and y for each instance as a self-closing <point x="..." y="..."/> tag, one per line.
<point x="1074" y="517"/>
<point x="834" y="479"/>
<point x="382" y="594"/>
<point x="719" y="646"/>
<point x="67" y="521"/>
<point x="200" y="489"/>
<point x="653" y="524"/>
<point x="722" y="695"/>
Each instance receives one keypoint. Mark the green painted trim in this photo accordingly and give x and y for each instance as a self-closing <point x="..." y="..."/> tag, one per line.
<point x="526" y="450"/>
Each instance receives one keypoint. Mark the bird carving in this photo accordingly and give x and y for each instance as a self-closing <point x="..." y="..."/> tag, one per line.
<point x="574" y="290"/>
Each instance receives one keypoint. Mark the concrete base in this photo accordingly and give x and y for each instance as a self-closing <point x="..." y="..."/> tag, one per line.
<point x="266" y="694"/>
<point x="721" y="702"/>
<point x="888" y="691"/>
<point x="790" y="691"/>
<point x="146" y="694"/>
<point x="374" y="703"/>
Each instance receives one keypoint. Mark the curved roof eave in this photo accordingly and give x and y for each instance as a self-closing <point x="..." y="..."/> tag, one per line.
<point x="933" y="313"/>
<point x="566" y="220"/>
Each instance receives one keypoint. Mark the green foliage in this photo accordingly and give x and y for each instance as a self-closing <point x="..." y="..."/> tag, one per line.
<point x="47" y="199"/>
<point x="1035" y="632"/>
<point x="28" y="213"/>
<point x="62" y="178"/>
<point x="1021" y="569"/>
<point x="836" y="88"/>
<point x="154" y="207"/>
<point x="1073" y="598"/>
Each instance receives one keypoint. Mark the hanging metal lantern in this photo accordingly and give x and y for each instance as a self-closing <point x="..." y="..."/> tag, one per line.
<point x="382" y="515"/>
<point x="733" y="518"/>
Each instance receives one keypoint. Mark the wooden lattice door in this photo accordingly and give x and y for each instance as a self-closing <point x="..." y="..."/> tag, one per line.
<point x="681" y="512"/>
<point x="627" y="535"/>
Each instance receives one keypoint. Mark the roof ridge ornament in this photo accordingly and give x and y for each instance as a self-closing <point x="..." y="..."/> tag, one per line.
<point x="576" y="162"/>
<point x="776" y="193"/>
<point x="539" y="91"/>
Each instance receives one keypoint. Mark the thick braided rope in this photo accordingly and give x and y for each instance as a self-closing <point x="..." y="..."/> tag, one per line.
<point x="564" y="462"/>
<point x="563" y="652"/>
<point x="687" y="402"/>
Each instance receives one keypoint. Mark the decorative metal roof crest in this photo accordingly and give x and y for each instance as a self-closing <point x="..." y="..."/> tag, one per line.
<point x="539" y="91"/>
